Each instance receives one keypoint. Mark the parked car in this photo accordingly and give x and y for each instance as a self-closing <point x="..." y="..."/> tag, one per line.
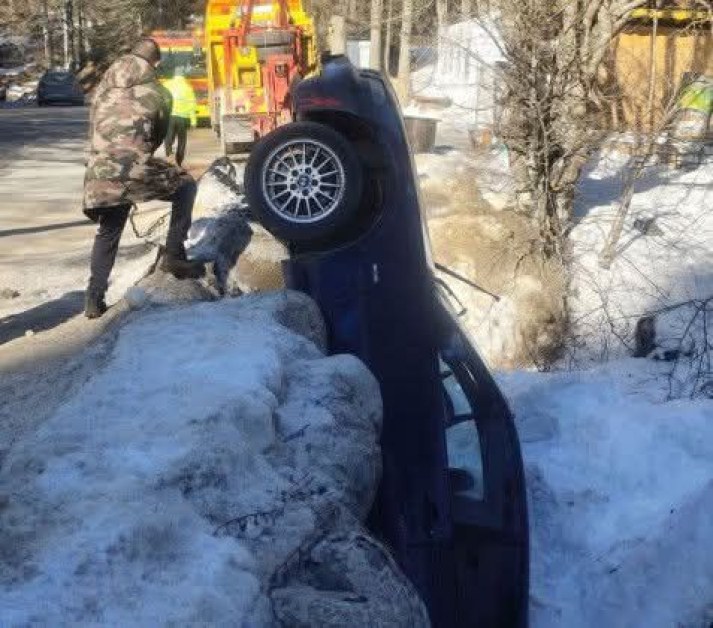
<point x="338" y="186"/>
<point x="59" y="87"/>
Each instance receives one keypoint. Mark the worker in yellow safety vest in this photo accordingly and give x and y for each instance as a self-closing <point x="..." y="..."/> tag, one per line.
<point x="183" y="114"/>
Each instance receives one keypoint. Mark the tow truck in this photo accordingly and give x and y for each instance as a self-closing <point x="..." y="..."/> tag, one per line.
<point x="256" y="52"/>
<point x="338" y="187"/>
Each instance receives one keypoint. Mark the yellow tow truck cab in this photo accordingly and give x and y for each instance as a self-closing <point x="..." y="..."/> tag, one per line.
<point x="255" y="51"/>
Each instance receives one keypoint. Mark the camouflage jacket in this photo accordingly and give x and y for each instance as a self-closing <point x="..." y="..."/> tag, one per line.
<point x="128" y="122"/>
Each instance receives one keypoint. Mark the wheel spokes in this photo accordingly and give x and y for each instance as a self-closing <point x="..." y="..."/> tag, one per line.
<point x="295" y="186"/>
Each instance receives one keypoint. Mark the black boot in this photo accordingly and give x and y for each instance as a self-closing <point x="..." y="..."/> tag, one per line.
<point x="94" y="304"/>
<point x="182" y="268"/>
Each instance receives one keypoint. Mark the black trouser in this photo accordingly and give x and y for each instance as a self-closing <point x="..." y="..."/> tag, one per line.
<point x="177" y="128"/>
<point x="112" y="221"/>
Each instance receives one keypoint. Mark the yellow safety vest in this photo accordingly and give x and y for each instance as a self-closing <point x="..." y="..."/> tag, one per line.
<point x="184" y="98"/>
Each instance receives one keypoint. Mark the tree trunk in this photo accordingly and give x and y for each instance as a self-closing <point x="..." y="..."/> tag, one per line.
<point x="68" y="33"/>
<point x="547" y="211"/>
<point x="47" y="34"/>
<point x="337" y="35"/>
<point x="82" y="47"/>
<point x="652" y="72"/>
<point x="441" y="15"/>
<point x="352" y="11"/>
<point x="465" y="9"/>
<point x="375" y="38"/>
<point x="388" y="37"/>
<point x="404" y="76"/>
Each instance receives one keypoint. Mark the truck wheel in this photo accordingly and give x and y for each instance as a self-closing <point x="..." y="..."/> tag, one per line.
<point x="303" y="182"/>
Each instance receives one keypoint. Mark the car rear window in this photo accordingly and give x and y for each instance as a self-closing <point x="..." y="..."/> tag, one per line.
<point x="58" y="78"/>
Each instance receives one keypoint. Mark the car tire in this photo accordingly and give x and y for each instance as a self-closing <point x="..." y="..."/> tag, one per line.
<point x="263" y="39"/>
<point x="304" y="182"/>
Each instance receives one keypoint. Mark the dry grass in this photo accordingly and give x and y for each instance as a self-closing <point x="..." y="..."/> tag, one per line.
<point x="495" y="249"/>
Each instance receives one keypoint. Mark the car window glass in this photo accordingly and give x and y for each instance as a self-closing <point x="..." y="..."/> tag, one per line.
<point x="58" y="79"/>
<point x="192" y="64"/>
<point x="464" y="456"/>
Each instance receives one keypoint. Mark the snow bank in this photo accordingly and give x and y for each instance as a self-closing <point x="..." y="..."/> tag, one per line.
<point x="621" y="498"/>
<point x="664" y="257"/>
<point x="214" y="469"/>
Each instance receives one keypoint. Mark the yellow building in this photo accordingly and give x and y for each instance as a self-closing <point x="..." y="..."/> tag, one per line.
<point x="649" y="60"/>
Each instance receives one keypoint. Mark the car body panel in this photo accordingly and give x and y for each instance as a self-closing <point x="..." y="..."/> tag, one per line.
<point x="469" y="558"/>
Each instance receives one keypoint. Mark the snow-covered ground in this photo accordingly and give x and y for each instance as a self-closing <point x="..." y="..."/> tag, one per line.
<point x="621" y="498"/>
<point x="664" y="258"/>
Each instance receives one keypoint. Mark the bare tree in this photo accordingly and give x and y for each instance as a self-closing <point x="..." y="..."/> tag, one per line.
<point x="551" y="101"/>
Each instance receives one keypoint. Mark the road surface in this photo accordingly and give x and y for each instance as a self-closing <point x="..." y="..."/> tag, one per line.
<point x="44" y="237"/>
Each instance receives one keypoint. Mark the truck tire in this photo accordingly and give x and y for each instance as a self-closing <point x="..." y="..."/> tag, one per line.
<point x="262" y="39"/>
<point x="303" y="182"/>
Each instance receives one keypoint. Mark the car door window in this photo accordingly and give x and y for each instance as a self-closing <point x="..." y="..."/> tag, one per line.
<point x="463" y="442"/>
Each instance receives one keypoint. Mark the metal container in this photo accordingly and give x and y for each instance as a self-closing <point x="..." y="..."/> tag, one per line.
<point x="421" y="132"/>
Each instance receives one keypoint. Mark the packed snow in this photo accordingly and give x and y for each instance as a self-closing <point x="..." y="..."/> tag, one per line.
<point x="214" y="469"/>
<point x="621" y="498"/>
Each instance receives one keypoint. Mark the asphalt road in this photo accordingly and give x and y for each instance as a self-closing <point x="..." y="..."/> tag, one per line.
<point x="44" y="237"/>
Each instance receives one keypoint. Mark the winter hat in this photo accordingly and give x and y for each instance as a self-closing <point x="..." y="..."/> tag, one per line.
<point x="147" y="49"/>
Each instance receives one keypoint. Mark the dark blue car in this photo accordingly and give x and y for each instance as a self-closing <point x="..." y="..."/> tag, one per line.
<point x="338" y="186"/>
<point x="59" y="87"/>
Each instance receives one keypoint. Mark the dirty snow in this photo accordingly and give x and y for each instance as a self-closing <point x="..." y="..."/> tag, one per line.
<point x="211" y="473"/>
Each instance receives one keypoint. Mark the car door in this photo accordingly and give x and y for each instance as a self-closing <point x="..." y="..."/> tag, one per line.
<point x="487" y="485"/>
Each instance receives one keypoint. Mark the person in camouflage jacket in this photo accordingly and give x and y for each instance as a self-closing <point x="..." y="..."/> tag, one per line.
<point x="128" y="122"/>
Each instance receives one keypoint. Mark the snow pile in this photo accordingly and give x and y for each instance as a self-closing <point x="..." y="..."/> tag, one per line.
<point x="220" y="233"/>
<point x="214" y="469"/>
<point x="663" y="259"/>
<point x="621" y="498"/>
<point x="244" y="256"/>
